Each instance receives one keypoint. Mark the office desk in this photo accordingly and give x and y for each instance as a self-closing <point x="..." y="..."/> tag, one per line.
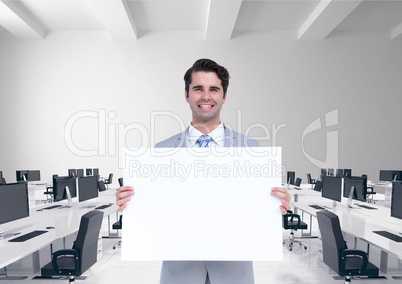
<point x="65" y="221"/>
<point x="360" y="223"/>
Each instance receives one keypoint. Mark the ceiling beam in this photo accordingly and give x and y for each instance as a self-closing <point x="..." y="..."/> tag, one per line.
<point x="117" y="18"/>
<point x="18" y="22"/>
<point x="222" y="15"/>
<point x="396" y="33"/>
<point x="326" y="17"/>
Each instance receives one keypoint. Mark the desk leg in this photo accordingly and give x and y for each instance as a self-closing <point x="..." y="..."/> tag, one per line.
<point x="310" y="234"/>
<point x="4" y="276"/>
<point x="110" y="235"/>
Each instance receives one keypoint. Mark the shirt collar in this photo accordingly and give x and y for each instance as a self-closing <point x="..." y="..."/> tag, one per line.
<point x="217" y="135"/>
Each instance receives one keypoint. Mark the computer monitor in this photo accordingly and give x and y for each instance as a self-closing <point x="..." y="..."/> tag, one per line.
<point x="95" y="172"/>
<point x="59" y="187"/>
<point x="33" y="175"/>
<point x="332" y="188"/>
<point x="14" y="203"/>
<point x="360" y="188"/>
<point x="21" y="175"/>
<point x="324" y="172"/>
<point x="290" y="177"/>
<point x="80" y="172"/>
<point x="396" y="200"/>
<point x="331" y="172"/>
<point x="88" y="172"/>
<point x="72" y="172"/>
<point x="87" y="188"/>
<point x="27" y="175"/>
<point x="396" y="175"/>
<point x="343" y="172"/>
<point x="386" y="175"/>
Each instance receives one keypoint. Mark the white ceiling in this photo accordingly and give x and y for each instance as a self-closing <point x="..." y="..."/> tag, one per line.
<point x="214" y="19"/>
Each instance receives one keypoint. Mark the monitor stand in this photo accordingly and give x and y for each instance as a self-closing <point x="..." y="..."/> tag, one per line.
<point x="350" y="199"/>
<point x="333" y="205"/>
<point x="69" y="199"/>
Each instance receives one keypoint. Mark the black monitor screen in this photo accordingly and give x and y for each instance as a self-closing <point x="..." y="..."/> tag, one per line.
<point x="386" y="175"/>
<point x="332" y="188"/>
<point x="95" y="172"/>
<point x="324" y="172"/>
<point x="290" y="177"/>
<point x="87" y="188"/>
<point x="360" y="184"/>
<point x="347" y="172"/>
<point x="14" y="203"/>
<point x="88" y="172"/>
<point x="331" y="172"/>
<point x="396" y="200"/>
<point x="21" y="175"/>
<point x="72" y="172"/>
<point x="59" y="185"/>
<point x="33" y="175"/>
<point x="80" y="172"/>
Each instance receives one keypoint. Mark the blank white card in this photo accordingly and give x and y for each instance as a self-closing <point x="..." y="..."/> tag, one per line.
<point x="201" y="204"/>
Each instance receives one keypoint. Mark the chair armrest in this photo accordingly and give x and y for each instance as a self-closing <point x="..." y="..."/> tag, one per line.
<point x="352" y="252"/>
<point x="66" y="253"/>
<point x="291" y="215"/>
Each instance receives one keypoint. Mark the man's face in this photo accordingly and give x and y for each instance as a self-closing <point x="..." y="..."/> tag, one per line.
<point x="205" y="97"/>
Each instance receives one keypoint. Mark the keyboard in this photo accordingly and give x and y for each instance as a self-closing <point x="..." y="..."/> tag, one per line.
<point x="103" y="206"/>
<point x="316" y="206"/>
<point x="27" y="236"/>
<point x="389" y="235"/>
<point x="366" y="206"/>
<point x="51" y="207"/>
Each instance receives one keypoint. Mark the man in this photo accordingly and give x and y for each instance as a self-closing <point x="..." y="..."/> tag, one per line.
<point x="206" y="84"/>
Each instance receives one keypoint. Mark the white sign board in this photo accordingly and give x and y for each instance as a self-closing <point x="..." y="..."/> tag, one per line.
<point x="198" y="204"/>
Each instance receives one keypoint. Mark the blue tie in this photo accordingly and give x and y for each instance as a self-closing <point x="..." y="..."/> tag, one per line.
<point x="203" y="141"/>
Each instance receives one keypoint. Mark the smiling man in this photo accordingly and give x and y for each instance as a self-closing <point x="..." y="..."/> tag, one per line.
<point x="206" y="84"/>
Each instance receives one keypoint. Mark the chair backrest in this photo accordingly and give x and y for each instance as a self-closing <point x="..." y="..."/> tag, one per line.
<point x="298" y="181"/>
<point x="110" y="179"/>
<point x="318" y="185"/>
<point x="309" y="179"/>
<point x="101" y="185"/>
<point x="87" y="239"/>
<point x="333" y="242"/>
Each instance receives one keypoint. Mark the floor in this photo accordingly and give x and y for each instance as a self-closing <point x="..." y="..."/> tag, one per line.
<point x="298" y="266"/>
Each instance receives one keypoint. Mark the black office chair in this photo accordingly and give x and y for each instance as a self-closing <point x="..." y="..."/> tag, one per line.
<point x="370" y="191"/>
<point x="101" y="185"/>
<point x="109" y="180"/>
<point x="310" y="180"/>
<point x="318" y="185"/>
<point x="73" y="262"/>
<point x="292" y="222"/>
<point x="346" y="262"/>
<point x="298" y="181"/>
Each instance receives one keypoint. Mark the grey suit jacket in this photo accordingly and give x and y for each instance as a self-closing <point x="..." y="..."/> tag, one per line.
<point x="219" y="272"/>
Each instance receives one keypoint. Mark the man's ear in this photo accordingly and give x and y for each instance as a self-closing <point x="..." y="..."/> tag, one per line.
<point x="224" y="97"/>
<point x="186" y="95"/>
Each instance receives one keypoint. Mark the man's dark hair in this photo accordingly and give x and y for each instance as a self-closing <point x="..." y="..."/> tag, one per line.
<point x="208" y="65"/>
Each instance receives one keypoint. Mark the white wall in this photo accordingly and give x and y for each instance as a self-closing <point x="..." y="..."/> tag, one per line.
<point x="274" y="82"/>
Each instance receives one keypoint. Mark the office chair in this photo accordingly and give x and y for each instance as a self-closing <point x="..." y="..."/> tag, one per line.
<point x="345" y="262"/>
<point x="370" y="191"/>
<point x="298" y="181"/>
<point x="101" y="185"/>
<point x="318" y="185"/>
<point x="310" y="180"/>
<point x="109" y="180"/>
<point x="73" y="262"/>
<point x="288" y="223"/>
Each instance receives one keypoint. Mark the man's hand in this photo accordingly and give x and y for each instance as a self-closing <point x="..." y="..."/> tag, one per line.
<point x="284" y="196"/>
<point x="123" y="195"/>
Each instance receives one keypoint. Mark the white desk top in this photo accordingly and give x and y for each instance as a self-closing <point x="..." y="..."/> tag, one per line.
<point x="361" y="223"/>
<point x="65" y="222"/>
